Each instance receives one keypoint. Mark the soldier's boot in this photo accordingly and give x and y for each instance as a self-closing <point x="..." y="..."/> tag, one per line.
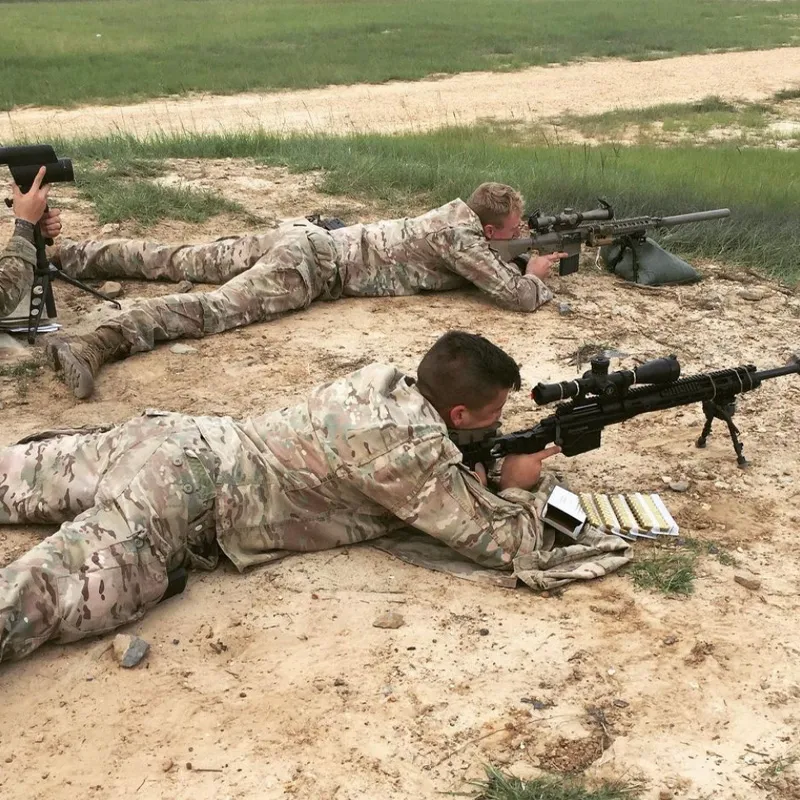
<point x="81" y="358"/>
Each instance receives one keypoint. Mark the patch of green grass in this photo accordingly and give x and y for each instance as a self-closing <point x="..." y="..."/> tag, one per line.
<point x="788" y="94"/>
<point x="761" y="187"/>
<point x="499" y="786"/>
<point x="59" y="53"/>
<point x="23" y="369"/>
<point x="686" y="118"/>
<point x="705" y="547"/>
<point x="665" y="571"/>
<point x="121" y="191"/>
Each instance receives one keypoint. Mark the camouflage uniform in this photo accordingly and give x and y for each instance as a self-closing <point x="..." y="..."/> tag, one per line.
<point x="285" y="269"/>
<point x="361" y="457"/>
<point x="17" y="263"/>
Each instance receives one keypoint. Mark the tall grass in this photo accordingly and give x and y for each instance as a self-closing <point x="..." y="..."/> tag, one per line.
<point x="761" y="187"/>
<point x="57" y="53"/>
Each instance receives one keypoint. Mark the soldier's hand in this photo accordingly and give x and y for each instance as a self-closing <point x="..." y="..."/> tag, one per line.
<point x="480" y="471"/>
<point x="31" y="205"/>
<point x="523" y="472"/>
<point x="541" y="265"/>
<point x="51" y="223"/>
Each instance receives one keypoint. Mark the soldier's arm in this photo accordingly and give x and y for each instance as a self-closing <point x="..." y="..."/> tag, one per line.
<point x="430" y="489"/>
<point x="468" y="254"/>
<point x="17" y="262"/>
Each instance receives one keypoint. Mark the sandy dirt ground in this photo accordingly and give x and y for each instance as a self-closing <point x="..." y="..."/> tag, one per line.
<point x="275" y="684"/>
<point x="527" y="95"/>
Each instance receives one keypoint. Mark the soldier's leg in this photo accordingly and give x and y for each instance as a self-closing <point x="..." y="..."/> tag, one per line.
<point x="153" y="512"/>
<point x="299" y="268"/>
<point x="52" y="476"/>
<point x="213" y="262"/>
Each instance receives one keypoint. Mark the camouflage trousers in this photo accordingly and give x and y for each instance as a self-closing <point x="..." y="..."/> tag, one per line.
<point x="266" y="276"/>
<point x="135" y="502"/>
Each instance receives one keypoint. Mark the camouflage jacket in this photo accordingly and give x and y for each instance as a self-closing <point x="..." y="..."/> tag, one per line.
<point x="360" y="457"/>
<point x="17" y="263"/>
<point x="443" y="249"/>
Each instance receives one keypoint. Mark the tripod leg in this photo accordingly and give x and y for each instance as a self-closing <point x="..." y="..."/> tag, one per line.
<point x="41" y="296"/>
<point x="57" y="273"/>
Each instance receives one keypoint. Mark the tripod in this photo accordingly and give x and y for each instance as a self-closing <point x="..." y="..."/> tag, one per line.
<point x="44" y="274"/>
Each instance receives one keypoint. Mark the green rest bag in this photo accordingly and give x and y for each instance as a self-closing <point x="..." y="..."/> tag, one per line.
<point x="647" y="263"/>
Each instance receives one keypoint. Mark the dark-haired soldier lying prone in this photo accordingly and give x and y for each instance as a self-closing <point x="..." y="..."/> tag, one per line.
<point x="361" y="457"/>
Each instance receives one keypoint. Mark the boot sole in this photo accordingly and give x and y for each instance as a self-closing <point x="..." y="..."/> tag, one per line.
<point x="76" y="375"/>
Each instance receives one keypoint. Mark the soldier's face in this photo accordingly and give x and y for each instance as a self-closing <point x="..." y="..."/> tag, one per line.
<point x="464" y="418"/>
<point x="508" y="230"/>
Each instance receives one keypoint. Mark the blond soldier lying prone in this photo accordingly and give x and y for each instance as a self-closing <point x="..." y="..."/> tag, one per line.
<point x="287" y="268"/>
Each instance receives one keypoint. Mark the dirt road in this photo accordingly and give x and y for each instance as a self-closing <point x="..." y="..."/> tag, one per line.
<point x="530" y="94"/>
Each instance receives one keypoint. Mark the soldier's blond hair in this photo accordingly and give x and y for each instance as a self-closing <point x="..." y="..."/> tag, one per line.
<point x="495" y="202"/>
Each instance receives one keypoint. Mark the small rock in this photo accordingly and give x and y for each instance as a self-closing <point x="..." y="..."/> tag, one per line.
<point x="188" y="765"/>
<point x="9" y="759"/>
<point x="679" y="486"/>
<point x="129" y="650"/>
<point x="184" y="286"/>
<point x="182" y="349"/>
<point x="391" y="619"/>
<point x="111" y="289"/>
<point x="339" y="682"/>
<point x="721" y="485"/>
<point x="111" y="228"/>
<point x="39" y="739"/>
<point x="754" y="295"/>
<point x="167" y="765"/>
<point x="670" y="640"/>
<point x="45" y="775"/>
<point x="665" y="794"/>
<point x="621" y="703"/>
<point x="564" y="309"/>
<point x="484" y="631"/>
<point x="748" y="583"/>
<point x="242" y="694"/>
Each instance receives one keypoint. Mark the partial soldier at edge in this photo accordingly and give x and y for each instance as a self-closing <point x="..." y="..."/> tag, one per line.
<point x="18" y="260"/>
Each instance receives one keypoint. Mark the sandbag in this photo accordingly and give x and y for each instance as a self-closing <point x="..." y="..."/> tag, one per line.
<point x="645" y="262"/>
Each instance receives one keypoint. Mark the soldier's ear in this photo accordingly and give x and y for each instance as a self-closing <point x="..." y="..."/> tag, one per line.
<point x="489" y="231"/>
<point x="458" y="416"/>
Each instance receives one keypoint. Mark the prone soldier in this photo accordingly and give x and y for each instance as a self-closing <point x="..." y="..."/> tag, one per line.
<point x="361" y="457"/>
<point x="285" y="269"/>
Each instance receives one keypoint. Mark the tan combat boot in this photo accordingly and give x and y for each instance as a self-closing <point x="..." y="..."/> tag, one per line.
<point x="81" y="358"/>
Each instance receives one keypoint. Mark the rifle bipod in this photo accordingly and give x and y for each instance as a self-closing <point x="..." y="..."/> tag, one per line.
<point x="722" y="410"/>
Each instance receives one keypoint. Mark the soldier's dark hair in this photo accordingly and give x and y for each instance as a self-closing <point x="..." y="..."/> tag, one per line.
<point x="465" y="369"/>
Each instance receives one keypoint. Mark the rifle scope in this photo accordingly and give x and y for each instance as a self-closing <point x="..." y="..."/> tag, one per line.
<point x="25" y="161"/>
<point x="569" y="218"/>
<point x="598" y="380"/>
